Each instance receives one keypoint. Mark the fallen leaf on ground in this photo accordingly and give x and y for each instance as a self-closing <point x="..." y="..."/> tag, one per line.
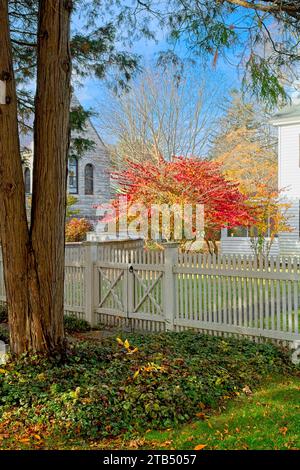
<point x="200" y="447"/>
<point x="166" y="443"/>
<point x="247" y="390"/>
<point x="283" y="430"/>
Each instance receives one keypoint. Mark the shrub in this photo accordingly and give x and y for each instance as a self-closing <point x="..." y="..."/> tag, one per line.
<point x="3" y="313"/>
<point x="74" y="324"/>
<point x="76" y="230"/>
<point x="108" y="389"/>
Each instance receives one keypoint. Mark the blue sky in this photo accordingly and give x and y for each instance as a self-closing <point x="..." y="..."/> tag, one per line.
<point x="93" y="90"/>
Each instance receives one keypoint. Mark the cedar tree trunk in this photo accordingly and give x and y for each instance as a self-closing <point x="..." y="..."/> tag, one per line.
<point x="34" y="257"/>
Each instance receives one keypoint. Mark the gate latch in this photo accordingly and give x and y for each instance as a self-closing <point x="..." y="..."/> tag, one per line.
<point x="131" y="269"/>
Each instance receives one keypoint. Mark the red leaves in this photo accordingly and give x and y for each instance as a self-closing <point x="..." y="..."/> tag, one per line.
<point x="187" y="181"/>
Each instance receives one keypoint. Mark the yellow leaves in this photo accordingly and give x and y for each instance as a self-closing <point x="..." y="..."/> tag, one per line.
<point x="150" y="367"/>
<point x="129" y="349"/>
<point x="201" y="414"/>
<point x="132" y="351"/>
<point x="41" y="377"/>
<point x="166" y="443"/>
<point x="3" y="371"/>
<point x="26" y="440"/>
<point x="136" y="443"/>
<point x="75" y="394"/>
<point x="200" y="446"/>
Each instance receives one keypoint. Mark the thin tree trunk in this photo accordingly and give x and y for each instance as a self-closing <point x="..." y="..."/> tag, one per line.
<point x="51" y="145"/>
<point x="34" y="260"/>
<point x="14" y="229"/>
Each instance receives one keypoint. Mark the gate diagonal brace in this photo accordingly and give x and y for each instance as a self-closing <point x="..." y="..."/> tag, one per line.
<point x="111" y="287"/>
<point x="148" y="293"/>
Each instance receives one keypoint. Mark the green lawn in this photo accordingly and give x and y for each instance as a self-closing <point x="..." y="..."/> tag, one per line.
<point x="267" y="419"/>
<point x="122" y="395"/>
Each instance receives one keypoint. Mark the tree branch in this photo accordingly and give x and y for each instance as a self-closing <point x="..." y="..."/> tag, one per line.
<point x="23" y="43"/>
<point x="283" y="7"/>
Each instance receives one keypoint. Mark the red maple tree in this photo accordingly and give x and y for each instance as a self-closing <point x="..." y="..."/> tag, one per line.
<point x="187" y="181"/>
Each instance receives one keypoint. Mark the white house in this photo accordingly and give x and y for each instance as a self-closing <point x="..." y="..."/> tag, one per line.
<point x="88" y="176"/>
<point x="287" y="122"/>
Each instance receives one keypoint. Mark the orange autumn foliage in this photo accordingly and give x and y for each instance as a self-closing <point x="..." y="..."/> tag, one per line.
<point x="76" y="230"/>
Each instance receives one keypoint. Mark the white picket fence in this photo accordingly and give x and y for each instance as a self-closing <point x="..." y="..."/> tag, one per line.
<point x="169" y="290"/>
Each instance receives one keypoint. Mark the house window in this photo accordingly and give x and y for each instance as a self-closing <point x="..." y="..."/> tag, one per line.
<point x="27" y="178"/>
<point x="73" y="176"/>
<point x="89" y="179"/>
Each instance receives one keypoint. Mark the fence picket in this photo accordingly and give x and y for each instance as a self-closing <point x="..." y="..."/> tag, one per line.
<point x="222" y="295"/>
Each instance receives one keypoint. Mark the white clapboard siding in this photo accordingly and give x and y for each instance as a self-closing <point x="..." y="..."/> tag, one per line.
<point x="289" y="242"/>
<point x="288" y="159"/>
<point x="242" y="245"/>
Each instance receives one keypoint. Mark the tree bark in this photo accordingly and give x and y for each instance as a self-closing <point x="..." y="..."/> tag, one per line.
<point x="34" y="259"/>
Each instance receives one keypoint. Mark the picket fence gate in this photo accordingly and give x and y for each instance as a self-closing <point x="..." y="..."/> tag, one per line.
<point x="144" y="290"/>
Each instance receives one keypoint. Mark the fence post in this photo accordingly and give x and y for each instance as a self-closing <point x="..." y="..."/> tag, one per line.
<point x="169" y="292"/>
<point x="90" y="256"/>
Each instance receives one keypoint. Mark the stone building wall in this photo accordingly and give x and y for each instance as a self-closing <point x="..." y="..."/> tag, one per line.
<point x="98" y="157"/>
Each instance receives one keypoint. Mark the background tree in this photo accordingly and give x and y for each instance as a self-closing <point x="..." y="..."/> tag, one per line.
<point x="246" y="149"/>
<point x="186" y="181"/>
<point x="271" y="217"/>
<point x="70" y="212"/>
<point x="260" y="37"/>
<point x="245" y="146"/>
<point x="161" y="116"/>
<point x="76" y="229"/>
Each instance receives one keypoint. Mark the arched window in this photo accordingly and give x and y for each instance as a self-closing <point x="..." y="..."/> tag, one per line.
<point x="89" y="179"/>
<point x="73" y="175"/>
<point x="27" y="180"/>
